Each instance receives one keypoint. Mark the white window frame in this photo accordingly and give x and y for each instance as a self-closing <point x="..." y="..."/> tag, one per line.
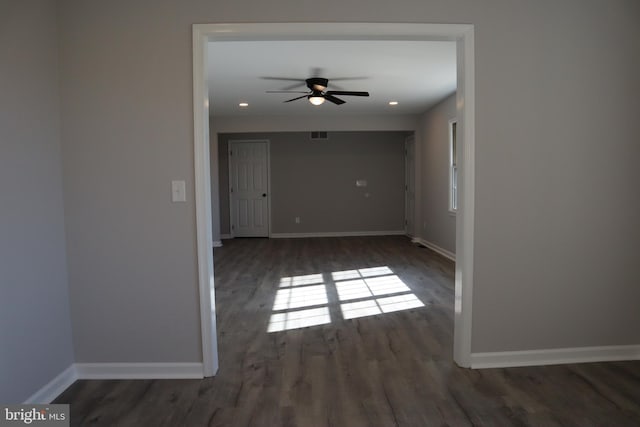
<point x="453" y="166"/>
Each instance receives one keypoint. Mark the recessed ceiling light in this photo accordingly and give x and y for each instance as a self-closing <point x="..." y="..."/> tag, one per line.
<point x="243" y="104"/>
<point x="393" y="102"/>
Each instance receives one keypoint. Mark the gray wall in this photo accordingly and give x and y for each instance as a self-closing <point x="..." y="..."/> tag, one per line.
<point x="315" y="180"/>
<point x="35" y="329"/>
<point x="344" y="122"/>
<point x="557" y="208"/>
<point x="438" y="225"/>
<point x="127" y="132"/>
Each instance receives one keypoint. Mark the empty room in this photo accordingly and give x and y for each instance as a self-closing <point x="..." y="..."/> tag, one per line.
<point x="361" y="214"/>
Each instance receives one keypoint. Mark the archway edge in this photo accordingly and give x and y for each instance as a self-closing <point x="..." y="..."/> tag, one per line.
<point x="463" y="34"/>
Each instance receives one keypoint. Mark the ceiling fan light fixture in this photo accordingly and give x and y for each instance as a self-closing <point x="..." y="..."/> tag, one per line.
<point x="317" y="84"/>
<point x="317" y="94"/>
<point x="316" y="100"/>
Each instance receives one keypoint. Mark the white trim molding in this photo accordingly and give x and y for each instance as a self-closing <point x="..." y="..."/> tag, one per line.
<point x="217" y="243"/>
<point x="136" y="371"/>
<point x="338" y="234"/>
<point x="204" y="224"/>
<point x="462" y="34"/>
<point x="226" y="236"/>
<point x="442" y="251"/>
<point x="465" y="218"/>
<point x="556" y="356"/>
<point x="53" y="388"/>
<point x="114" y="371"/>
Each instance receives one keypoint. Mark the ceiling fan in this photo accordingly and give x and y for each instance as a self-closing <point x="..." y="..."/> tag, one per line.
<point x="318" y="92"/>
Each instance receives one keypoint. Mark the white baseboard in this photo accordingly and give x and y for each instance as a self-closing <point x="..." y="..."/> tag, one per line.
<point x="445" y="253"/>
<point x="226" y="236"/>
<point x="54" y="387"/>
<point x="217" y="244"/>
<point x="138" y="371"/>
<point x="504" y="359"/>
<point x="561" y="356"/>
<point x="114" y="371"/>
<point x="338" y="234"/>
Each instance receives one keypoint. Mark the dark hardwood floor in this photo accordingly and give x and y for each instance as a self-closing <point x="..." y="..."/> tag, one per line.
<point x="391" y="367"/>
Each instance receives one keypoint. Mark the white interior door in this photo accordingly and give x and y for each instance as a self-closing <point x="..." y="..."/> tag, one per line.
<point x="248" y="188"/>
<point x="410" y="191"/>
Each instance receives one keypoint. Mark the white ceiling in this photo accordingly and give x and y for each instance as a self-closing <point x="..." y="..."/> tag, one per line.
<point x="417" y="74"/>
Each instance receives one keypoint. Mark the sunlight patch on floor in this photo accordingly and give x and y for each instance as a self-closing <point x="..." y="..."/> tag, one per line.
<point x="367" y="283"/>
<point x="399" y="302"/>
<point x="299" y="319"/>
<point x="353" y="289"/>
<point x="306" y="296"/>
<point x="386" y="285"/>
<point x="309" y="279"/>
<point x="352" y="310"/>
<point x="361" y="292"/>
<point x="375" y="271"/>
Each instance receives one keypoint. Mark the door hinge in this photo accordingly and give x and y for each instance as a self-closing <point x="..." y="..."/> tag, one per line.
<point x="231" y="153"/>
<point x="233" y="227"/>
<point x="232" y="189"/>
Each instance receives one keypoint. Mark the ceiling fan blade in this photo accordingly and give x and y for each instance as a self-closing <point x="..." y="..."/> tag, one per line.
<point x="298" y="82"/>
<point x="284" y="79"/>
<point x="287" y="91"/>
<point x="335" y="79"/>
<point x="346" y="93"/>
<point x="295" y="99"/>
<point x="293" y="86"/>
<point x="333" y="99"/>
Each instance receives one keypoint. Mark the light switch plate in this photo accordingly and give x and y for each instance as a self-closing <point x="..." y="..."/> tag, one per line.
<point x="361" y="183"/>
<point x="178" y="191"/>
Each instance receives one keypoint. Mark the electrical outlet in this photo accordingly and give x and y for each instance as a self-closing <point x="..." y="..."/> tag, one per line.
<point x="297" y="220"/>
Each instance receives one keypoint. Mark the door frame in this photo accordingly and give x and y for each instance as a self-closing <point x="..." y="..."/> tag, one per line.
<point x="462" y="34"/>
<point x="268" y="142"/>
<point x="409" y="178"/>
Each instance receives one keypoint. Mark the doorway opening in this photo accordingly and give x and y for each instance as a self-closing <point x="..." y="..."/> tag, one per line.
<point x="463" y="35"/>
<point x="410" y="185"/>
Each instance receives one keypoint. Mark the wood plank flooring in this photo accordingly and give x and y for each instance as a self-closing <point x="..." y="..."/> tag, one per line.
<point x="390" y="369"/>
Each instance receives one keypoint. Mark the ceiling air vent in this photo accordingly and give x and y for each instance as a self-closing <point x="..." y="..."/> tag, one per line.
<point x="319" y="135"/>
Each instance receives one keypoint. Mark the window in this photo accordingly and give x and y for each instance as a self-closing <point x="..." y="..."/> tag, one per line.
<point x="453" y="166"/>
